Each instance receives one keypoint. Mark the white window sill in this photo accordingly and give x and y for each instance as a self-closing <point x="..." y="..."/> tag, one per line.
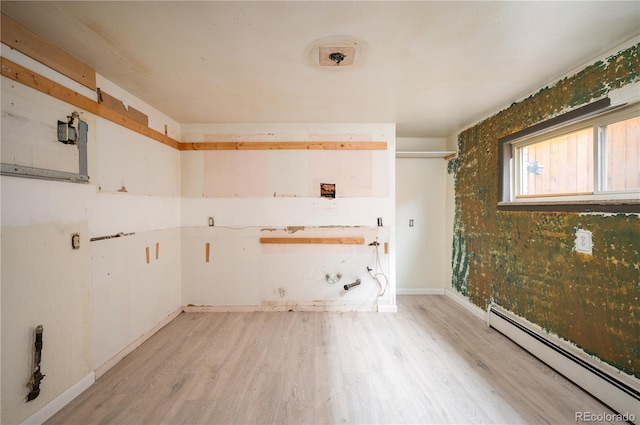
<point x="584" y="205"/>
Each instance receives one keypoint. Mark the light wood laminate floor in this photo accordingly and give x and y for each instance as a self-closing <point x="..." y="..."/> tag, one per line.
<point x="430" y="363"/>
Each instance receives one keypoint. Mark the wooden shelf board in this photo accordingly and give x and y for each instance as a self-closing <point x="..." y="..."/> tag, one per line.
<point x="38" y="82"/>
<point x="21" y="38"/>
<point x="293" y="145"/>
<point x="337" y="241"/>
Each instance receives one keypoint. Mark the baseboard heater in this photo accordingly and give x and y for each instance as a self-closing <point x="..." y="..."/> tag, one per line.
<point x="619" y="391"/>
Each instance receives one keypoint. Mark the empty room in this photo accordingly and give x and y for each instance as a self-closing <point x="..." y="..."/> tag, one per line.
<point x="318" y="212"/>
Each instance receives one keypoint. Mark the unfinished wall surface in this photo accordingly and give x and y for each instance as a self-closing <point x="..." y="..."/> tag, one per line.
<point x="255" y="194"/>
<point x="44" y="282"/>
<point x="136" y="278"/>
<point x="526" y="261"/>
<point x="96" y="300"/>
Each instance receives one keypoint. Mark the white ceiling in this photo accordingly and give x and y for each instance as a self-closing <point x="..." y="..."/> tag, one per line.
<point x="432" y="67"/>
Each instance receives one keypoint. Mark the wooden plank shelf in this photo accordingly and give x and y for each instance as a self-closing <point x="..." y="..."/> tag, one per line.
<point x="38" y="82"/>
<point x="19" y="37"/>
<point x="336" y="241"/>
<point x="216" y="146"/>
<point x="42" y="84"/>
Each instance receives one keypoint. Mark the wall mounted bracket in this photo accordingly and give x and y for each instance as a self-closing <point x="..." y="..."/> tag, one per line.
<point x="36" y="375"/>
<point x="67" y="134"/>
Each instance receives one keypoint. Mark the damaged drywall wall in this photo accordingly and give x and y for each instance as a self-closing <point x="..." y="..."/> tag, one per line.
<point x="277" y="193"/>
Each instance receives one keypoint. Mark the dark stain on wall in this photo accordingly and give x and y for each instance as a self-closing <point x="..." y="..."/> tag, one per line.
<point x="526" y="261"/>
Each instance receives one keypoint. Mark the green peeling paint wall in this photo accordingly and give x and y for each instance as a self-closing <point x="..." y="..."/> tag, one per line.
<point x="525" y="261"/>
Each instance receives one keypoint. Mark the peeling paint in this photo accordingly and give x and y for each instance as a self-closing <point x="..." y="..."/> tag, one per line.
<point x="293" y="229"/>
<point x="526" y="261"/>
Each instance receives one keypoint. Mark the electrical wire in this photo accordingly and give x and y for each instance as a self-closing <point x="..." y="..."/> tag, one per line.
<point x="383" y="288"/>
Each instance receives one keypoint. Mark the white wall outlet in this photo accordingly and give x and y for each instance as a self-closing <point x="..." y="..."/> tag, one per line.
<point x="584" y="241"/>
<point x="75" y="241"/>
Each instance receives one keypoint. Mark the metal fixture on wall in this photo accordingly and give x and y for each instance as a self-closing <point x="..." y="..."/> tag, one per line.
<point x="69" y="135"/>
<point x="36" y="374"/>
<point x="351" y="285"/>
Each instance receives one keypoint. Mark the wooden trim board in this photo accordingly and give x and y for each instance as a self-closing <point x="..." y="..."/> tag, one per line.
<point x="44" y="85"/>
<point x="212" y="146"/>
<point x="31" y="79"/>
<point x="36" y="81"/>
<point x="338" y="241"/>
<point x="21" y="38"/>
<point x="117" y="105"/>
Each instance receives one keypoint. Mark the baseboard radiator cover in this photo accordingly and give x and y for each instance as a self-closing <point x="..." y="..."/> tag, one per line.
<point x="619" y="391"/>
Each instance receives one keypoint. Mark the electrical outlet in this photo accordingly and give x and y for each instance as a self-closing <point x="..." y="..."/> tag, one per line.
<point x="63" y="133"/>
<point x="75" y="241"/>
<point x="584" y="241"/>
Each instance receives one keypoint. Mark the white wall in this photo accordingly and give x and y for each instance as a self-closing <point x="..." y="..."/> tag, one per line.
<point x="279" y="189"/>
<point x="44" y="282"/>
<point x="137" y="181"/>
<point x="420" y="195"/>
<point x="95" y="301"/>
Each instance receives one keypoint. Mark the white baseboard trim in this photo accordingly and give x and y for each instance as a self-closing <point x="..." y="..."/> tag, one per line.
<point x="221" y="308"/>
<point x="468" y="305"/>
<point x="275" y="306"/>
<point x="99" y="371"/>
<point x="420" y="291"/>
<point x="51" y="408"/>
<point x="613" y="387"/>
<point x="387" y="308"/>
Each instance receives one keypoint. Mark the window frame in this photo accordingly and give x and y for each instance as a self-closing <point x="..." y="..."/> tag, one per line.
<point x="596" y="115"/>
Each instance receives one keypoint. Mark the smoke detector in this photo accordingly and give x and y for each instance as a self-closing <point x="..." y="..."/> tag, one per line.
<point x="336" y="56"/>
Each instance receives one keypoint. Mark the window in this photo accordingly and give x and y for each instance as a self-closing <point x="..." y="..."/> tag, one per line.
<point x="557" y="166"/>
<point x="620" y="155"/>
<point x="594" y="159"/>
